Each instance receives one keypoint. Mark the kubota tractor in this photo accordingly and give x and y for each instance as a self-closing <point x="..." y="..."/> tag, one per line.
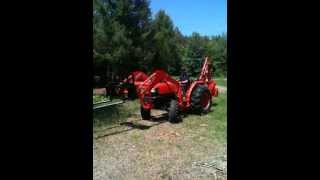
<point x="160" y="91"/>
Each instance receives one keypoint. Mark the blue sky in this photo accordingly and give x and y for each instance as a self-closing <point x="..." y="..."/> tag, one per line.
<point x="207" y="17"/>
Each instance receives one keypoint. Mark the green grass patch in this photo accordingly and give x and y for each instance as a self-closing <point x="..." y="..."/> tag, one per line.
<point x="212" y="125"/>
<point x="99" y="98"/>
<point x="112" y="115"/>
<point x="218" y="118"/>
<point x="221" y="82"/>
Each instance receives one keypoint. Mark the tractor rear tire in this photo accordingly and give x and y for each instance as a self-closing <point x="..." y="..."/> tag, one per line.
<point x="201" y="99"/>
<point x="145" y="113"/>
<point x="174" y="116"/>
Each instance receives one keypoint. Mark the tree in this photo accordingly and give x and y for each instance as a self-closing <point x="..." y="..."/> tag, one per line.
<point x="198" y="46"/>
<point x="125" y="38"/>
<point x="165" y="47"/>
<point x="119" y="34"/>
<point x="195" y="51"/>
<point x="217" y="50"/>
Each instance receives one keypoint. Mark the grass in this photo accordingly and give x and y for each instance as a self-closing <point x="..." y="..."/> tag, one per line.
<point x="218" y="119"/>
<point x="114" y="114"/>
<point x="215" y="123"/>
<point x="221" y="82"/>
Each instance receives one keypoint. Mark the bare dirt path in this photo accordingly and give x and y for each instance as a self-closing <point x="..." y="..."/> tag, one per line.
<point x="158" y="150"/>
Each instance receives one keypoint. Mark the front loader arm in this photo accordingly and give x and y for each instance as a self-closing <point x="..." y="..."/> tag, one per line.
<point x="156" y="77"/>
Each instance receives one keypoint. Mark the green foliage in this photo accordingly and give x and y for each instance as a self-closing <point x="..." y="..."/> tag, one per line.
<point x="165" y="48"/>
<point x="119" y="34"/>
<point x="199" y="46"/>
<point x="125" y="38"/>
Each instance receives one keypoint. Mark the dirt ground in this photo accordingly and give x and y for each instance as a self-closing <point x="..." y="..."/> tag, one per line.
<point x="157" y="149"/>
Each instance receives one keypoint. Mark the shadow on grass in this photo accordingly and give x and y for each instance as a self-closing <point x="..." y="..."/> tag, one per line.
<point x="159" y="119"/>
<point x="191" y="112"/>
<point x="109" y="115"/>
<point x="111" y="111"/>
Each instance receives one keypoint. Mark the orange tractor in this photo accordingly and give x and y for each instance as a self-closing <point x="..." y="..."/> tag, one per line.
<point x="160" y="91"/>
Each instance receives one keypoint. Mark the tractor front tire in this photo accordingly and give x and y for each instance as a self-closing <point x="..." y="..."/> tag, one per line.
<point x="132" y="92"/>
<point x="145" y="113"/>
<point x="201" y="99"/>
<point x="174" y="116"/>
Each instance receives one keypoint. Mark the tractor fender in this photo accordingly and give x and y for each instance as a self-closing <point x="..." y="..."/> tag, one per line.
<point x="212" y="86"/>
<point x="216" y="93"/>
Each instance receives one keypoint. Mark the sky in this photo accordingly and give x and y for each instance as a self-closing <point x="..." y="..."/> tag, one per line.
<point x="207" y="17"/>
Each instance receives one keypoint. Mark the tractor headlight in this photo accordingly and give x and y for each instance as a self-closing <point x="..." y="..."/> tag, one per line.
<point x="154" y="92"/>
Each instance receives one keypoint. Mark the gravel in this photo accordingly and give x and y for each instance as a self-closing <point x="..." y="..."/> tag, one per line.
<point x="161" y="151"/>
